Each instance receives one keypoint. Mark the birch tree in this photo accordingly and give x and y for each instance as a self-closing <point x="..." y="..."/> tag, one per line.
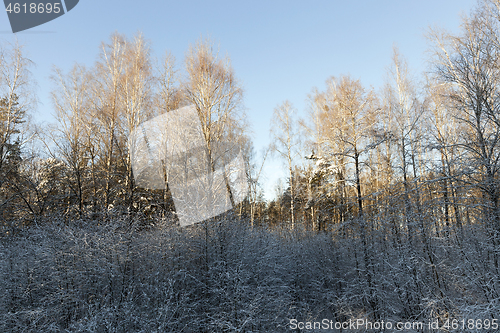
<point x="286" y="141"/>
<point x="469" y="64"/>
<point x="72" y="108"/>
<point x="211" y="85"/>
<point x="348" y="121"/>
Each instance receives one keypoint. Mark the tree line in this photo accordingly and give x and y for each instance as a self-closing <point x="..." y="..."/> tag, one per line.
<point x="80" y="166"/>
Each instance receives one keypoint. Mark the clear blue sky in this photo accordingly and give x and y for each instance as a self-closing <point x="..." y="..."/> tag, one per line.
<point x="280" y="50"/>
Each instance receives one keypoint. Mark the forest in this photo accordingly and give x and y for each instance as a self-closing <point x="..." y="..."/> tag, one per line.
<point x="390" y="210"/>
